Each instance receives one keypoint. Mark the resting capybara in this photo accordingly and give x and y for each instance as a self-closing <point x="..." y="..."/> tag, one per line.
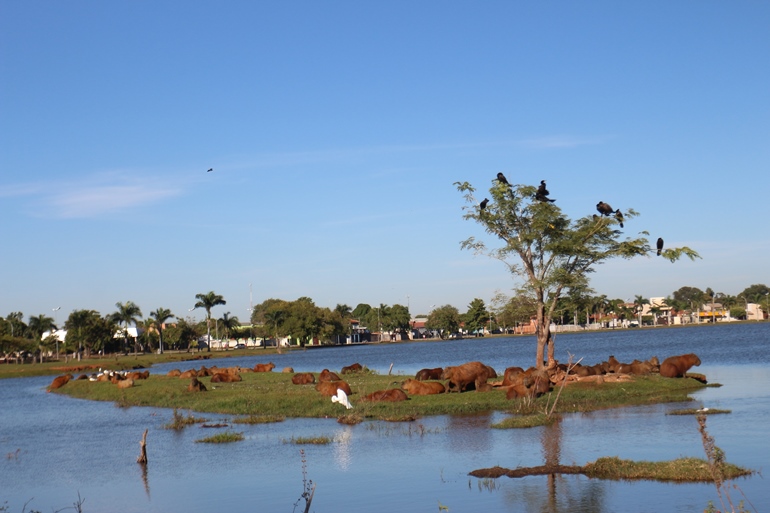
<point x="327" y="375"/>
<point x="329" y="388"/>
<point x="519" y="390"/>
<point x="126" y="383"/>
<point x="356" y="367"/>
<point x="264" y="367"/>
<point x="392" y="395"/>
<point x="59" y="382"/>
<point x="462" y="376"/>
<point x="196" y="386"/>
<point x="513" y="376"/>
<point x="288" y="370"/>
<point x="174" y="373"/>
<point x="677" y="366"/>
<point x="414" y="387"/>
<point x="225" y="377"/>
<point x="192" y="373"/>
<point x="303" y="378"/>
<point x="537" y="381"/>
<point x="136" y="375"/>
<point x="426" y="374"/>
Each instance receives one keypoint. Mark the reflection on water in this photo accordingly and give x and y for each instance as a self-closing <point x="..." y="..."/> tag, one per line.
<point x="62" y="447"/>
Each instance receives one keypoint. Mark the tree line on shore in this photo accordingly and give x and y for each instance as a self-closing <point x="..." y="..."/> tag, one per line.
<point x="301" y="320"/>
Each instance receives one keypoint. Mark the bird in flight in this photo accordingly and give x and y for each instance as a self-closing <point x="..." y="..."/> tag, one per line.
<point x="483" y="204"/>
<point x="542" y="193"/>
<point x="660" y="245"/>
<point x="501" y="178"/>
<point x="604" y="208"/>
<point x="210" y="170"/>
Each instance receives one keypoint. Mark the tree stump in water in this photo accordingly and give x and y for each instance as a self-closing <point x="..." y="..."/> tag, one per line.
<point x="143" y="443"/>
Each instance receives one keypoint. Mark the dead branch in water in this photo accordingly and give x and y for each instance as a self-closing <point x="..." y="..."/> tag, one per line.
<point x="143" y="443"/>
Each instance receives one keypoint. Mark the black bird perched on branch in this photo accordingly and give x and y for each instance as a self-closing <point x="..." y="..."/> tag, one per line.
<point x="619" y="217"/>
<point x="542" y="193"/>
<point x="604" y="208"/>
<point x="483" y="204"/>
<point x="501" y="179"/>
<point x="660" y="245"/>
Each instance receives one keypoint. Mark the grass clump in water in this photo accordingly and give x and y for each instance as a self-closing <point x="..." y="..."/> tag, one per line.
<point x="315" y="440"/>
<point x="526" y="421"/>
<point x="698" y="411"/>
<point x="678" y="470"/>
<point x="179" y="421"/>
<point x="259" y="419"/>
<point x="222" y="438"/>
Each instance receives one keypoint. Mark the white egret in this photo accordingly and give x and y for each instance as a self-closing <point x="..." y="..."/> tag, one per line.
<point x="342" y="398"/>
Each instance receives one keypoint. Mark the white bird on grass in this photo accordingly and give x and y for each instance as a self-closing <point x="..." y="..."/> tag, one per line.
<point x="342" y="398"/>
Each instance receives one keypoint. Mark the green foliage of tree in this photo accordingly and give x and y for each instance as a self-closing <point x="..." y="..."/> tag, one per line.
<point x="361" y="311"/>
<point x="398" y="319"/>
<point x="88" y="332"/>
<point x="160" y="316"/>
<point x="127" y="313"/>
<point x="228" y="324"/>
<point x="183" y="335"/>
<point x="690" y="294"/>
<point x="476" y="317"/>
<point x="444" y="319"/>
<point x="37" y="326"/>
<point x="757" y="293"/>
<point x="552" y="254"/>
<point x="208" y="301"/>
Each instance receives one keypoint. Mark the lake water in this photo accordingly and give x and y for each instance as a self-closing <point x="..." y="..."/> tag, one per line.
<point x="54" y="447"/>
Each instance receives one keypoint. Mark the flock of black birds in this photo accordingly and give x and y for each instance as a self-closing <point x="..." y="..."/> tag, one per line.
<point x="542" y="195"/>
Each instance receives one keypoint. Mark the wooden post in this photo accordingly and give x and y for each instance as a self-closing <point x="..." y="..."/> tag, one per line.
<point x="143" y="443"/>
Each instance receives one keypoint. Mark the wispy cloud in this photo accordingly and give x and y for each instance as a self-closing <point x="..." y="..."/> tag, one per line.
<point x="93" y="196"/>
<point x="301" y="157"/>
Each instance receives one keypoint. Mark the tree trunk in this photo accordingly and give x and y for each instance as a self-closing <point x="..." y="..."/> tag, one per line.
<point x="143" y="455"/>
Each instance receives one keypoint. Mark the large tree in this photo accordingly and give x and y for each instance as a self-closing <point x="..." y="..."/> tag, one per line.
<point x="207" y="302"/>
<point x="444" y="319"/>
<point x="476" y="317"/>
<point x="39" y="325"/>
<point x="551" y="253"/>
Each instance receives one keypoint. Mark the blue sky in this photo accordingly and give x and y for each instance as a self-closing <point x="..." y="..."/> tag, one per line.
<point x="337" y="129"/>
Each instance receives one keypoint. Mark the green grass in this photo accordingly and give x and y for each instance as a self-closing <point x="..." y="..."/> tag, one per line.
<point x="679" y="470"/>
<point x="271" y="394"/>
<point x="222" y="438"/>
<point x="698" y="411"/>
<point x="179" y="421"/>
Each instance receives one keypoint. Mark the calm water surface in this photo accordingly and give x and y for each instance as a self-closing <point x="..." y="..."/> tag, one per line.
<point x="54" y="447"/>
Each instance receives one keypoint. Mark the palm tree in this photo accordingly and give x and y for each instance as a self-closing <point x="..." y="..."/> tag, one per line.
<point x="639" y="303"/>
<point x="228" y="324"/>
<point x="127" y="313"/>
<point x="160" y="316"/>
<point x="208" y="301"/>
<point x="39" y="325"/>
<point x="276" y="317"/>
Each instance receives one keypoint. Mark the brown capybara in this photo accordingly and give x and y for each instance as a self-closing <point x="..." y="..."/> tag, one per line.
<point x="612" y="364"/>
<point x="513" y="376"/>
<point x="196" y="386"/>
<point x="537" y="381"/>
<point x="415" y="387"/>
<point x="203" y="372"/>
<point x="329" y="388"/>
<point x="677" y="366"/>
<point x="327" y="375"/>
<point x="392" y="395"/>
<point x="288" y="370"/>
<point x="515" y="391"/>
<point x="264" y="367"/>
<point x="174" y="373"/>
<point x="583" y="370"/>
<point x="191" y="373"/>
<point x="426" y="374"/>
<point x="59" y="382"/>
<point x="136" y="375"/>
<point x="303" y="378"/>
<point x="463" y="376"/>
<point x="82" y="376"/>
<point x="356" y="367"/>
<point x="225" y="377"/>
<point x="126" y="383"/>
